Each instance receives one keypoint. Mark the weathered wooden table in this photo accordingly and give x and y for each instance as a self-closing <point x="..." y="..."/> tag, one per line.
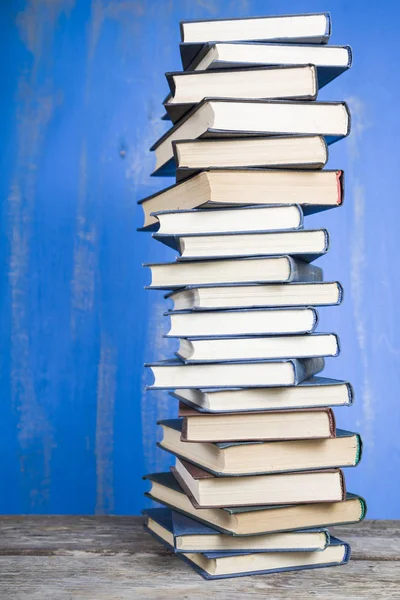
<point x="98" y="558"/>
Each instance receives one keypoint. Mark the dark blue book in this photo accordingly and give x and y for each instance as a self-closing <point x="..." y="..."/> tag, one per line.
<point x="254" y="152"/>
<point x="243" y="322"/>
<point x="241" y="219"/>
<point x="286" y="82"/>
<point x="254" y="520"/>
<point x="212" y="565"/>
<point x="213" y="349"/>
<point x="223" y="297"/>
<point x="199" y="246"/>
<point x="316" y="392"/>
<point x="174" y="374"/>
<point x="183" y="534"/>
<point x="200" y="273"/>
<point x="330" y="61"/>
<point x="296" y="29"/>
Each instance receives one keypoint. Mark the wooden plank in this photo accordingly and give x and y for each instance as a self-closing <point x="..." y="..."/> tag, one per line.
<point x="46" y="535"/>
<point x="141" y="577"/>
<point x="52" y="535"/>
<point x="96" y="558"/>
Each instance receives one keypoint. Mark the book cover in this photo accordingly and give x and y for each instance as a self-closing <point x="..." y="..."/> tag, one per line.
<point x="206" y="575"/>
<point x="180" y="525"/>
<point x="326" y="73"/>
<point x="173" y="241"/>
<point x="302" y="369"/>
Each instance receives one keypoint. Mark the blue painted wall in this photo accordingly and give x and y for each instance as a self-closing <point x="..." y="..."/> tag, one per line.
<point x="81" y="103"/>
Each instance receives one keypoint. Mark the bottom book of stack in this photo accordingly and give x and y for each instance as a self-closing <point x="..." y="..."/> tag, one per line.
<point x="216" y="555"/>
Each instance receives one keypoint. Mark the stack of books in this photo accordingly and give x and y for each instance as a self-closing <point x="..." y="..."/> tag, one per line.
<point x="258" y="458"/>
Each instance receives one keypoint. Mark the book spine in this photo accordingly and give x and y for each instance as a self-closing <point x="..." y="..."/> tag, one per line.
<point x="359" y="450"/>
<point x="303" y="272"/>
<point x="327" y="537"/>
<point x="328" y="29"/>
<point x="342" y="484"/>
<point x="305" y="369"/>
<point x="327" y="240"/>
<point x="340" y="186"/>
<point x="345" y="105"/>
<point x="315" y="320"/>
<point x="340" y="292"/>
<point x="350" y="392"/>
<point x="350" y="56"/>
<point x="332" y="422"/>
<point x="338" y="345"/>
<point x="363" y="508"/>
<point x="184" y="430"/>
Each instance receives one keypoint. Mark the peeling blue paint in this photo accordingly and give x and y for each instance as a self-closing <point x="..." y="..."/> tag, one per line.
<point x="81" y="104"/>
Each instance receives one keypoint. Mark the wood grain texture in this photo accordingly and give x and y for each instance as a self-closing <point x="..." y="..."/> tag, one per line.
<point x="96" y="558"/>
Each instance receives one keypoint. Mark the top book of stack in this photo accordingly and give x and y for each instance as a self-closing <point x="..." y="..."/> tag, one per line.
<point x="300" y="29"/>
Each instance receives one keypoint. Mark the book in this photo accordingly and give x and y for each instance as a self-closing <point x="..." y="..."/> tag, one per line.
<point x="282" y="269"/>
<point x="255" y="458"/>
<point x="223" y="220"/>
<point x="174" y="374"/>
<point x="289" y="152"/>
<point x="315" y="392"/>
<point x="254" y="520"/>
<point x="308" y="28"/>
<point x="228" y="117"/>
<point x="234" y="323"/>
<point x="183" y="534"/>
<point x="306" y="245"/>
<point x="257" y="425"/>
<point x="217" y="566"/>
<point x="278" y="82"/>
<point x="208" y="491"/>
<point x="210" y="350"/>
<point x="313" y="190"/>
<point x="330" y="61"/>
<point x="257" y="296"/>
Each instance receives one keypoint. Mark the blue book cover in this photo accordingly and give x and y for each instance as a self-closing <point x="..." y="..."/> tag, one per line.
<point x="174" y="242"/>
<point x="190" y="50"/>
<point x="198" y="317"/>
<point x="241" y="210"/>
<point x="298" y="270"/>
<point x="190" y="341"/>
<point x="177" y="110"/>
<point x="210" y="565"/>
<point x="177" y="526"/>
<point x="312" y="382"/>
<point x="319" y="560"/>
<point x="302" y="369"/>
<point x="325" y="72"/>
<point x="257" y="303"/>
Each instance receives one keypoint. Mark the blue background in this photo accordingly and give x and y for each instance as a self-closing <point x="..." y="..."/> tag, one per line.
<point x="82" y="87"/>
